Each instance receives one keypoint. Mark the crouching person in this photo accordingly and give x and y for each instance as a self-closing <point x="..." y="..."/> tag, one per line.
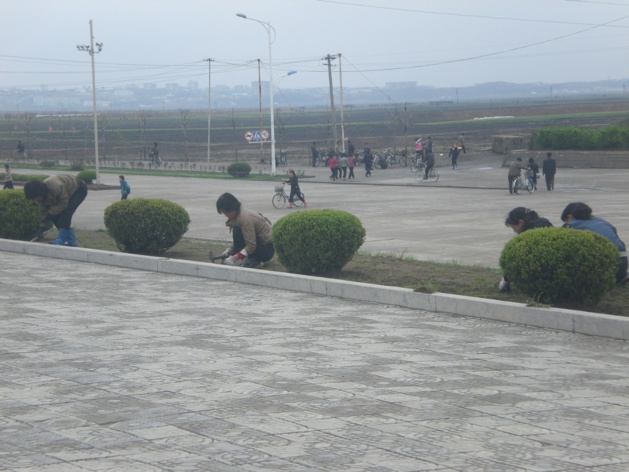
<point x="251" y="233"/>
<point x="58" y="197"/>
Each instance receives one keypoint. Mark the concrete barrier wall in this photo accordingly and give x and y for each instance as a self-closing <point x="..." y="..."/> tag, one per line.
<point x="577" y="159"/>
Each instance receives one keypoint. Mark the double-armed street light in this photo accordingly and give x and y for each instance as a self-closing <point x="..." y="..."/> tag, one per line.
<point x="91" y="51"/>
<point x="267" y="26"/>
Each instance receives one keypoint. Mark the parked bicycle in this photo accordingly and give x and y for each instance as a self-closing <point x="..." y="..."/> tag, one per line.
<point x="280" y="198"/>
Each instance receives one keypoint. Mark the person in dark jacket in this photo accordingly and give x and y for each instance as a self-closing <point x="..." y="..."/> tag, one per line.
<point x="533" y="171"/>
<point x="521" y="219"/>
<point x="314" y="152"/>
<point x="294" y="189"/>
<point x="368" y="160"/>
<point x="454" y="155"/>
<point x="549" y="168"/>
<point x="578" y="215"/>
<point x="58" y="197"/>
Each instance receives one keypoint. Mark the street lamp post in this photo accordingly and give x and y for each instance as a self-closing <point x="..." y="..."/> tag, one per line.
<point x="209" y="104"/>
<point x="91" y="51"/>
<point x="267" y="26"/>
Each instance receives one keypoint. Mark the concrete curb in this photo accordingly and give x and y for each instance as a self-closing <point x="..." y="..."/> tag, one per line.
<point x="574" y="321"/>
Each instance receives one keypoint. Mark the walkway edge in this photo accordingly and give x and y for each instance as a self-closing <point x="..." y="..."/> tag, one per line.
<point x="581" y="322"/>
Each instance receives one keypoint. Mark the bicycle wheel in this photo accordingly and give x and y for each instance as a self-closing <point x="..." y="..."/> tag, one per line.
<point x="403" y="161"/>
<point x="297" y="202"/>
<point x="419" y="173"/>
<point x="517" y="185"/>
<point x="433" y="175"/>
<point x="279" y="200"/>
<point x="529" y="186"/>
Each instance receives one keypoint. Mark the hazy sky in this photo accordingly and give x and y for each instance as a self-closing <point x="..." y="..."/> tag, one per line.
<point x="432" y="42"/>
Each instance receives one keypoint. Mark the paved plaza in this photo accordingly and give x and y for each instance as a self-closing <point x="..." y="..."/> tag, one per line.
<point x="106" y="368"/>
<point x="460" y="218"/>
<point x="111" y="368"/>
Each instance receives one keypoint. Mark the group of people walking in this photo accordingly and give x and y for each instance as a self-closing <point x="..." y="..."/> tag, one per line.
<point x="549" y="169"/>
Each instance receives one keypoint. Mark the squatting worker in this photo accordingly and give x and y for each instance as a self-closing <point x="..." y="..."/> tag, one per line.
<point x="251" y="233"/>
<point x="58" y="197"/>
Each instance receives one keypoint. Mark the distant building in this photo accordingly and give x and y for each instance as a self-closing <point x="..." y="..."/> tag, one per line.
<point x="400" y="85"/>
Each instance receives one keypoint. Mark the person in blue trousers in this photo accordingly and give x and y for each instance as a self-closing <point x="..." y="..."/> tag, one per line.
<point x="58" y="197"/>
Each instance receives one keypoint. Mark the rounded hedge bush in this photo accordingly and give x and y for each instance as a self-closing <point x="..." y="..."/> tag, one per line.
<point x="317" y="241"/>
<point x="19" y="217"/>
<point x="146" y="225"/>
<point x="239" y="170"/>
<point x="87" y="176"/>
<point x="560" y="265"/>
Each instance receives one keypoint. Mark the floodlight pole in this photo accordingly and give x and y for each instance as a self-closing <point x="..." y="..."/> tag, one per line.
<point x="91" y="51"/>
<point x="209" y="105"/>
<point x="267" y="26"/>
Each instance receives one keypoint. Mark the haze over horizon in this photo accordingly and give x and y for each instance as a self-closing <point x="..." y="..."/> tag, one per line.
<point x="445" y="43"/>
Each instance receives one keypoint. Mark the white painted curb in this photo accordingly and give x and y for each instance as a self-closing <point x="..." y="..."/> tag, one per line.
<point x="581" y="322"/>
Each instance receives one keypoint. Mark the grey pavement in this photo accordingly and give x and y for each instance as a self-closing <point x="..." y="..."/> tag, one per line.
<point x="460" y="218"/>
<point x="109" y="368"/>
<point x="114" y="368"/>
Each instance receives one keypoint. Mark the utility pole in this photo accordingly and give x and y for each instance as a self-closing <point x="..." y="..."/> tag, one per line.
<point x="329" y="58"/>
<point x="209" y="106"/>
<point x="341" y="100"/>
<point x="91" y="51"/>
<point x="260" y="100"/>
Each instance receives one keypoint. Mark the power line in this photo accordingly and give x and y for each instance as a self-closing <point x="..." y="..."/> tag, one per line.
<point x="467" y="15"/>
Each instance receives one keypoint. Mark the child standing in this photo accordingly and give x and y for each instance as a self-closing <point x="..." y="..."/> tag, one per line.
<point x="351" y="163"/>
<point x="8" y="178"/>
<point x="125" y="188"/>
<point x="343" y="163"/>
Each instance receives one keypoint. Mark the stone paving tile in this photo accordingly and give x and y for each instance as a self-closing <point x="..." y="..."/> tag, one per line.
<point x="105" y="368"/>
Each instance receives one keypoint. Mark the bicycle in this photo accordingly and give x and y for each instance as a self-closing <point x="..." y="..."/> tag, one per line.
<point x="420" y="173"/>
<point x="523" y="182"/>
<point x="417" y="160"/>
<point x="280" y="198"/>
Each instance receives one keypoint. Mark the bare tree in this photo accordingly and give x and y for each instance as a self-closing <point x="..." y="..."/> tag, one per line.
<point x="29" y="120"/>
<point x="142" y="129"/>
<point x="183" y="115"/>
<point x="236" y="138"/>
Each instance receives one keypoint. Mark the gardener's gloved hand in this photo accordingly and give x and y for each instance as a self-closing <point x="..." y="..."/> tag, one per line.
<point x="230" y="261"/>
<point x="227" y="252"/>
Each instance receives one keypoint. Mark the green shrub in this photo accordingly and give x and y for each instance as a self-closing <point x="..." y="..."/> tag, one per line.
<point x="19" y="217"/>
<point x="78" y="165"/>
<point x="560" y="265"/>
<point x="87" y="176"/>
<point x="48" y="164"/>
<point x="27" y="177"/>
<point x="581" y="138"/>
<point x="146" y="225"/>
<point x="317" y="241"/>
<point x="238" y="170"/>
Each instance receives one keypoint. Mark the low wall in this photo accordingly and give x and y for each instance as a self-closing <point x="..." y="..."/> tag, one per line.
<point x="579" y="159"/>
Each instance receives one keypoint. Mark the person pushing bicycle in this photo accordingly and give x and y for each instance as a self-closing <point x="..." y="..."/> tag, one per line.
<point x="294" y="189"/>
